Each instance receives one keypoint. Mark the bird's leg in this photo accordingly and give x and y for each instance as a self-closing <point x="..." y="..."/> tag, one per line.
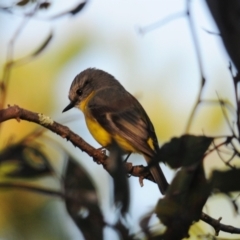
<point x="101" y="148"/>
<point x="125" y="160"/>
<point x="127" y="157"/>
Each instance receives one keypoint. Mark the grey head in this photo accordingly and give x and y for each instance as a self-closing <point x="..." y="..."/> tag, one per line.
<point x="87" y="81"/>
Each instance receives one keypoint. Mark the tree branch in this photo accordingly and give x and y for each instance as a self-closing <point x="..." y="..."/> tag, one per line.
<point x="15" y="112"/>
<point x="215" y="223"/>
<point x="48" y="192"/>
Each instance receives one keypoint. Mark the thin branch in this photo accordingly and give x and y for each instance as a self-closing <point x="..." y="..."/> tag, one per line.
<point x="36" y="189"/>
<point x="235" y="82"/>
<point x="199" y="62"/>
<point x="227" y="163"/>
<point x="26" y="59"/>
<point x="217" y="225"/>
<point x="9" y="62"/>
<point x="222" y="103"/>
<point x="216" y="147"/>
<point x="49" y="192"/>
<point x="10" y="55"/>
<point x="153" y="26"/>
<point x="211" y="32"/>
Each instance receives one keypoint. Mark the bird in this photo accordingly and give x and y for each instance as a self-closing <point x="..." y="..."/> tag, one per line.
<point x="112" y="114"/>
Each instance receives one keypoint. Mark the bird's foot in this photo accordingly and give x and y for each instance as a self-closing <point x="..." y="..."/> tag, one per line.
<point x="102" y="149"/>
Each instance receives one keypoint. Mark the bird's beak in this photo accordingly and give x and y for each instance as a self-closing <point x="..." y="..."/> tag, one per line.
<point x="69" y="106"/>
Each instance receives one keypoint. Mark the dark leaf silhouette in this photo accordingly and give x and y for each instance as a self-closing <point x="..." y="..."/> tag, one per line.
<point x="183" y="202"/>
<point x="184" y="151"/>
<point x="118" y="172"/>
<point x="227" y="181"/>
<point x="82" y="202"/>
<point x="226" y="16"/>
<point x="30" y="161"/>
<point x="23" y="2"/>
<point x="45" y="5"/>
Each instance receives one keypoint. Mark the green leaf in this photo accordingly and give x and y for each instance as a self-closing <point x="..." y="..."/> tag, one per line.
<point x="184" y="151"/>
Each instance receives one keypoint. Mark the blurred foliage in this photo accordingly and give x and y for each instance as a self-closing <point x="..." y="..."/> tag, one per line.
<point x="29" y="161"/>
<point x="23" y="200"/>
<point x="38" y="181"/>
<point x="82" y="201"/>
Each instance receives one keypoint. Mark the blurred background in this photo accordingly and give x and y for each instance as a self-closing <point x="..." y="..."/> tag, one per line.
<point x="156" y="63"/>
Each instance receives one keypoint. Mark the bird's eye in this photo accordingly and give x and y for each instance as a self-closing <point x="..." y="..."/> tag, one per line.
<point x="79" y="92"/>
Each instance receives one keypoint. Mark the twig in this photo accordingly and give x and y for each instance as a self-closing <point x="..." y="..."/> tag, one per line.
<point x="10" y="55"/>
<point x="216" y="147"/>
<point x="217" y="225"/>
<point x="227" y="163"/>
<point x="199" y="61"/>
<point x="153" y="26"/>
<point x="9" y="62"/>
<point x="49" y="192"/>
<point x="222" y="103"/>
<point x="235" y="82"/>
<point x="10" y="185"/>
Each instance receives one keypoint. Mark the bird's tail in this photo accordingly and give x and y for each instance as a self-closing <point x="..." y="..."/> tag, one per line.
<point x="157" y="174"/>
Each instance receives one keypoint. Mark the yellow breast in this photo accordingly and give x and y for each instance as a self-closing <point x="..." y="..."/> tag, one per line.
<point x="97" y="131"/>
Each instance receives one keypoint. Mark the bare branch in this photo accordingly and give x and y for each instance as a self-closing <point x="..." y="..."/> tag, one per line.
<point x="36" y="189"/>
<point x="47" y="192"/>
<point x="217" y="225"/>
<point x="199" y="61"/>
<point x="15" y="112"/>
<point x="10" y="55"/>
<point x="153" y="26"/>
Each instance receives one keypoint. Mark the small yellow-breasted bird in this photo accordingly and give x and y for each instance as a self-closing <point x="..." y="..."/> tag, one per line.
<point x="112" y="113"/>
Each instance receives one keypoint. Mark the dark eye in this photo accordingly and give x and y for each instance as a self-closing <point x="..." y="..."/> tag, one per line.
<point x="79" y="92"/>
